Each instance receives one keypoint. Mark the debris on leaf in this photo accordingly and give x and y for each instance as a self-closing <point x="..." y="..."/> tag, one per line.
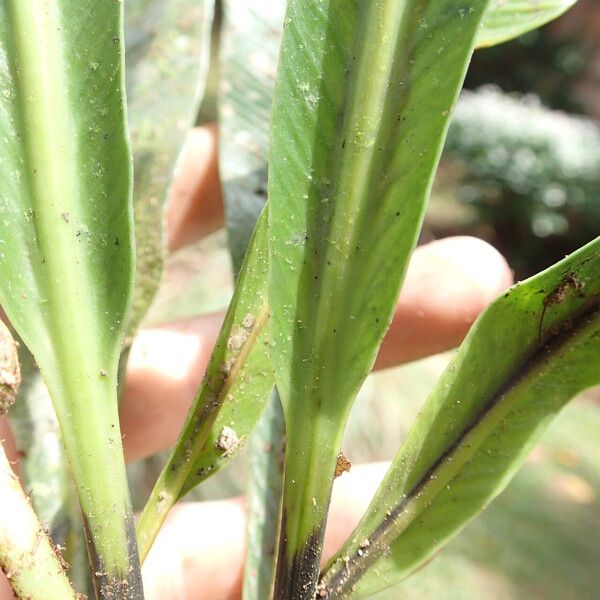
<point x="227" y="441"/>
<point x="248" y="321"/>
<point x="342" y="465"/>
<point x="237" y="338"/>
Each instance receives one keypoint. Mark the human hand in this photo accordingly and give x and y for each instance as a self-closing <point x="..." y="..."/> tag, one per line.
<point x="447" y="285"/>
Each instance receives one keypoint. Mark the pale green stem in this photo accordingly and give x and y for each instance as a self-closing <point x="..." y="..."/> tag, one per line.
<point x="30" y="562"/>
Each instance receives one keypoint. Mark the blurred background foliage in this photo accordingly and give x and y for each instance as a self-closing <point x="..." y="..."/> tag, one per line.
<point x="521" y="163"/>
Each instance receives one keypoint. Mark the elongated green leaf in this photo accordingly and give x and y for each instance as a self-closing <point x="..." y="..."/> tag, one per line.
<point x="248" y="58"/>
<point x="66" y="254"/>
<point x="238" y="373"/>
<point x="264" y="501"/>
<point x="508" y="19"/>
<point x="250" y="41"/>
<point x="357" y="130"/>
<point x="524" y="359"/>
<point x="167" y="47"/>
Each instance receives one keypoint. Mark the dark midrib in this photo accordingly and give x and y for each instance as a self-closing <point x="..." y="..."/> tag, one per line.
<point x="353" y="569"/>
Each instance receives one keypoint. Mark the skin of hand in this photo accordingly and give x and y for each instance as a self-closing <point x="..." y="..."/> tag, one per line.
<point x="448" y="283"/>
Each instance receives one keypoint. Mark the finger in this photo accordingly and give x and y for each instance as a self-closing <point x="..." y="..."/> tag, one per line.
<point x="447" y="285"/>
<point x="210" y="566"/>
<point x="6" y="592"/>
<point x="195" y="203"/>
<point x="164" y="371"/>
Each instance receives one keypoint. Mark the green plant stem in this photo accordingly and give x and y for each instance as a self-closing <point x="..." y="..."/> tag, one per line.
<point x="308" y="479"/>
<point x="31" y="564"/>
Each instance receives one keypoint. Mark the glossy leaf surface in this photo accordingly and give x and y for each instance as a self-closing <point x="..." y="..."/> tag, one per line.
<point x="530" y="352"/>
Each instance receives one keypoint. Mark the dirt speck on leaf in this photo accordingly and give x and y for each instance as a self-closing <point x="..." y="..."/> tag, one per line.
<point x="342" y="465"/>
<point x="248" y="321"/>
<point x="237" y="338"/>
<point x="227" y="440"/>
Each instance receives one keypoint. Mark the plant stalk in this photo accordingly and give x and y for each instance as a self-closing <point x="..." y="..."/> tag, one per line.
<point x="308" y="480"/>
<point x="30" y="562"/>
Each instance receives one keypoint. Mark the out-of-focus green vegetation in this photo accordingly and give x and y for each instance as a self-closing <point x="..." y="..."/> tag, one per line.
<point x="531" y="174"/>
<point x="522" y="159"/>
<point x="546" y="62"/>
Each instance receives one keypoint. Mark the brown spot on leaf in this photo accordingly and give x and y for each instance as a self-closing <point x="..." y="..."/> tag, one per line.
<point x="561" y="292"/>
<point x="342" y="465"/>
<point x="568" y="284"/>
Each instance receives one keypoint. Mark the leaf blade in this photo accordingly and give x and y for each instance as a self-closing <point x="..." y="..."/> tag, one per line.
<point x="167" y="46"/>
<point x="236" y="385"/>
<point x="504" y="21"/>
<point x="67" y="257"/>
<point x="480" y="421"/>
<point x="248" y="60"/>
<point x="357" y="130"/>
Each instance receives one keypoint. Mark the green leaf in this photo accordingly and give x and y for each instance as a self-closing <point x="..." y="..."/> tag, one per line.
<point x="66" y="259"/>
<point x="250" y="42"/>
<point x="167" y="45"/>
<point x="249" y="48"/>
<point x="357" y="130"/>
<point x="508" y="19"/>
<point x="530" y="352"/>
<point x="236" y="384"/>
<point x="265" y="485"/>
